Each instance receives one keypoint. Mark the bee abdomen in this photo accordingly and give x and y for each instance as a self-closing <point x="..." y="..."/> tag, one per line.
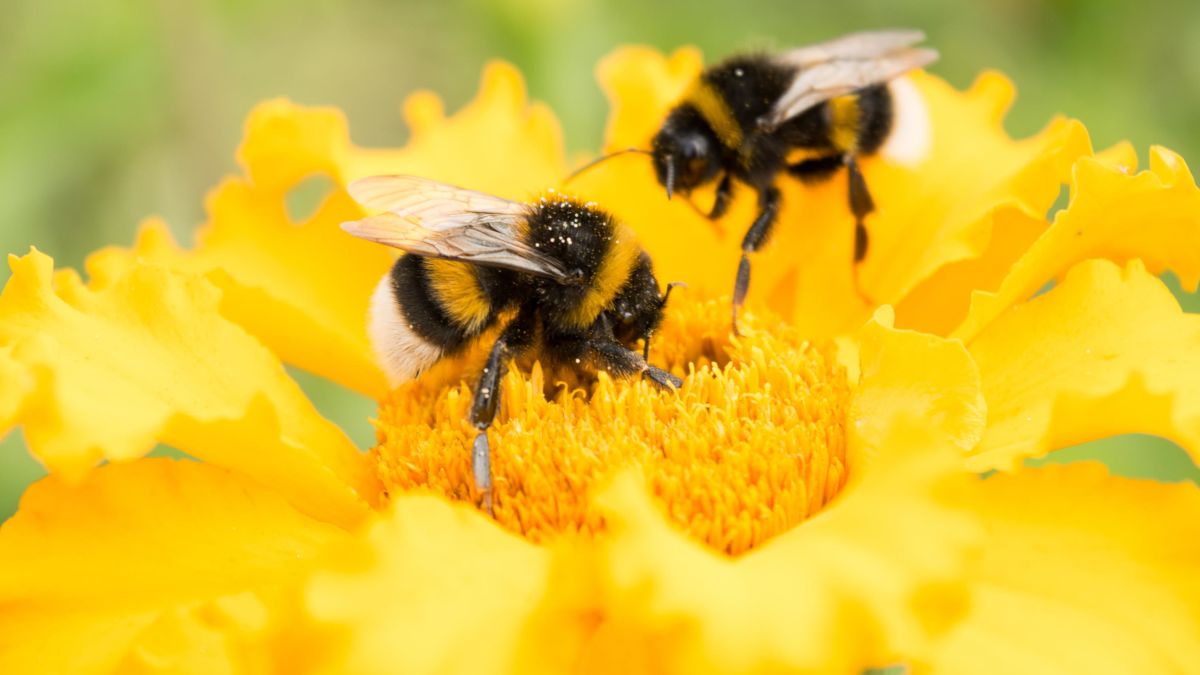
<point x="409" y="326"/>
<point x="875" y="117"/>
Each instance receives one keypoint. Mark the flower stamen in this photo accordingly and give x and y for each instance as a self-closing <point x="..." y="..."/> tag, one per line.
<point x="753" y="444"/>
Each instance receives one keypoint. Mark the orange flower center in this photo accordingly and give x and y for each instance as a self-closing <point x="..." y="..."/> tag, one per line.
<point x="753" y="444"/>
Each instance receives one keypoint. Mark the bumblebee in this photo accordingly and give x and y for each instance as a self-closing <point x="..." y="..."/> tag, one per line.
<point x="743" y="117"/>
<point x="573" y="280"/>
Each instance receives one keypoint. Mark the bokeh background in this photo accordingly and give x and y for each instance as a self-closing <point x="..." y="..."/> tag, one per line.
<point x="112" y="111"/>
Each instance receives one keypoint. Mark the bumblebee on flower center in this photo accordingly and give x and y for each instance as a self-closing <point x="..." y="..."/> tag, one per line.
<point x="753" y="443"/>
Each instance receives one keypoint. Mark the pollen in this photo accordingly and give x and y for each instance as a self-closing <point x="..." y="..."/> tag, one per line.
<point x="751" y="445"/>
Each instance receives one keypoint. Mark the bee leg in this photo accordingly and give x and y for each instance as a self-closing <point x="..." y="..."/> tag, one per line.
<point x="760" y="229"/>
<point x="601" y="351"/>
<point x="661" y="377"/>
<point x="516" y="336"/>
<point x="721" y="203"/>
<point x="861" y="205"/>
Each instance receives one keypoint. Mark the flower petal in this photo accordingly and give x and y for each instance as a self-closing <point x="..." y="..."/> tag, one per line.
<point x="1153" y="215"/>
<point x="841" y="592"/>
<point x="18" y="382"/>
<point x="903" y="372"/>
<point x="96" y="574"/>
<point x="436" y="587"/>
<point x="150" y="359"/>
<point x="937" y="211"/>
<point x="303" y="287"/>
<point x="935" y="207"/>
<point x="1106" y="352"/>
<point x="939" y="304"/>
<point x="1075" y="560"/>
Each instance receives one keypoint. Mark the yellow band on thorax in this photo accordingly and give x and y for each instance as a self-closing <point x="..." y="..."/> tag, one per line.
<point x="613" y="273"/>
<point x="716" y="112"/>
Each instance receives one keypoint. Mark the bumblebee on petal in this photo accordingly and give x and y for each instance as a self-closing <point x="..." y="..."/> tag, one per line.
<point x="556" y="271"/>
<point x="743" y="117"/>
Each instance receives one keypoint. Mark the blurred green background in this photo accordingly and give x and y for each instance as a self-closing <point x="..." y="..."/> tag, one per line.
<point x="111" y="111"/>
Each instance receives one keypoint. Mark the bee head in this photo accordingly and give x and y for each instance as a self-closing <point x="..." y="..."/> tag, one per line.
<point x="637" y="309"/>
<point x="686" y="152"/>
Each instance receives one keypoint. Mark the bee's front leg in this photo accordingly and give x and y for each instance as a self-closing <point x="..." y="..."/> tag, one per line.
<point x="756" y="236"/>
<point x="721" y="202"/>
<point x="617" y="360"/>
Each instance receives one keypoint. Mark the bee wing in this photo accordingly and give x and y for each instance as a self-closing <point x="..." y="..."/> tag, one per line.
<point x="863" y="45"/>
<point x="438" y="205"/>
<point x="845" y="65"/>
<point x="437" y="220"/>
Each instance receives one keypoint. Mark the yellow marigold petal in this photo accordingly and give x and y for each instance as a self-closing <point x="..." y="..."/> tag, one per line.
<point x="18" y="382"/>
<point x="1108" y="351"/>
<point x="435" y="587"/>
<point x="226" y="635"/>
<point x="499" y="143"/>
<point x="846" y="590"/>
<point x="641" y="85"/>
<point x="939" y="304"/>
<point x="150" y="359"/>
<point x="937" y="211"/>
<point x="936" y="207"/>
<point x="903" y="372"/>
<point x="1082" y="573"/>
<point x="303" y="287"/>
<point x="102" y="573"/>
<point x="1153" y="215"/>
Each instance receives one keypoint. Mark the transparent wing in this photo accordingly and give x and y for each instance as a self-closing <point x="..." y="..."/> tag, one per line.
<point x="437" y="220"/>
<point x="437" y="205"/>
<point x="864" y="45"/>
<point x="845" y="65"/>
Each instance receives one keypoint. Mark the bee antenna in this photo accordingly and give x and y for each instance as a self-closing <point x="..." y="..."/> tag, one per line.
<point x="601" y="159"/>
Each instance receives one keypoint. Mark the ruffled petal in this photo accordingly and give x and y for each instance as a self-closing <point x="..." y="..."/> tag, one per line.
<point x="1106" y="352"/>
<point x="435" y="587"/>
<point x="1083" y="573"/>
<point x="869" y="582"/>
<point x="939" y="304"/>
<point x="97" y="576"/>
<point x="303" y="287"/>
<point x="903" y="372"/>
<point x="937" y="201"/>
<point x="18" y="382"/>
<point x="1115" y="214"/>
<point x="149" y="359"/>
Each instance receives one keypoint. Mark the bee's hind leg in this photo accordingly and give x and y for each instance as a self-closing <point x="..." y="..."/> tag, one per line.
<point x="756" y="236"/>
<point x="516" y="337"/>
<point x="861" y="205"/>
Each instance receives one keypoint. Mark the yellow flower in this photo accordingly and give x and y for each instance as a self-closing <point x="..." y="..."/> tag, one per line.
<point x="799" y="504"/>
